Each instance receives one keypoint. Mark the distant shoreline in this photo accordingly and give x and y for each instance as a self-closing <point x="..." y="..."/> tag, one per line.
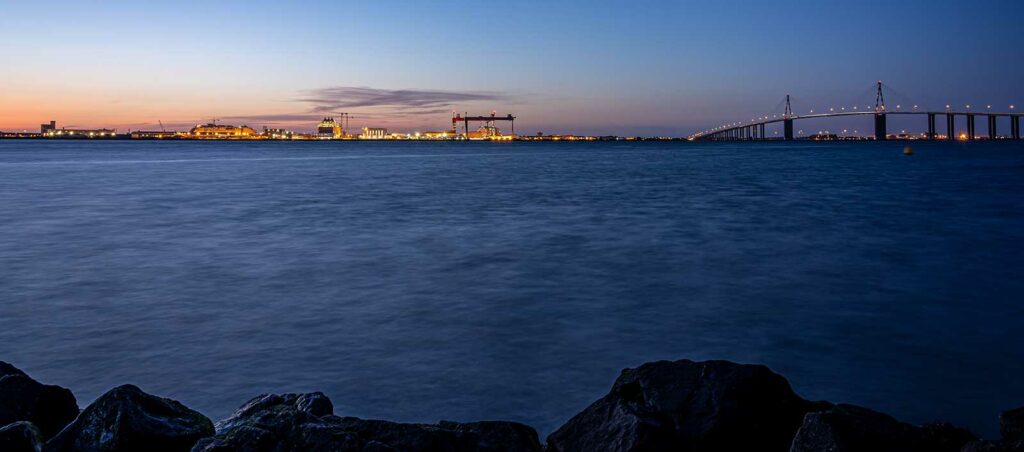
<point x="546" y="139"/>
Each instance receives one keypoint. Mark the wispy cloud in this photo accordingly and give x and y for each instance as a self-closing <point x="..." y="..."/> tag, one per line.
<point x="274" y="118"/>
<point x="410" y="100"/>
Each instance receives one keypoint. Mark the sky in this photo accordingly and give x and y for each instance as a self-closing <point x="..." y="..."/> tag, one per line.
<point x="641" y="67"/>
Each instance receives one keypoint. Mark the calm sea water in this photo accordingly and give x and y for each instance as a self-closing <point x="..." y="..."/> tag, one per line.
<point x="419" y="282"/>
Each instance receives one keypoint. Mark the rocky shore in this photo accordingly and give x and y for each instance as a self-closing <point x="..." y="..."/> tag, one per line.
<point x="661" y="406"/>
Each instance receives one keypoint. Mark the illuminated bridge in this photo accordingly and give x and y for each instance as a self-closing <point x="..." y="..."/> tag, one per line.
<point x="755" y="129"/>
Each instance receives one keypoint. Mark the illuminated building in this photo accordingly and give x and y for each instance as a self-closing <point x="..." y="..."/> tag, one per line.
<point x="282" y="134"/>
<point x="51" y="131"/>
<point x="442" y="135"/>
<point x="374" y="133"/>
<point x="153" y="135"/>
<point x="329" y="129"/>
<point x="489" y="132"/>
<point x="214" y="132"/>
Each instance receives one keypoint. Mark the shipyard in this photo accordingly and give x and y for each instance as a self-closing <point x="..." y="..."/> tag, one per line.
<point x="463" y="127"/>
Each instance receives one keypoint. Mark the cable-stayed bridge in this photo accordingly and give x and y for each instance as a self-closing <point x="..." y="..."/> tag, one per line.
<point x="755" y="129"/>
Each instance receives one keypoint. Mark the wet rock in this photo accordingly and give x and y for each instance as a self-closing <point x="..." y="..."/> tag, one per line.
<point x="9" y="369"/>
<point x="848" y="428"/>
<point x="306" y="422"/>
<point x="20" y="437"/>
<point x="1011" y="425"/>
<point x="993" y="446"/>
<point x="48" y="407"/>
<point x="510" y="436"/>
<point x="689" y="406"/>
<point x="127" y="419"/>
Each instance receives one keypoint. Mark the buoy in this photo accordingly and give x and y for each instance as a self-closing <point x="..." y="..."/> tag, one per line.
<point x="908" y="151"/>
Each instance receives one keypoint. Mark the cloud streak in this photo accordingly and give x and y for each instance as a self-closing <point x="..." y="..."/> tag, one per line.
<point x="282" y="117"/>
<point x="338" y="98"/>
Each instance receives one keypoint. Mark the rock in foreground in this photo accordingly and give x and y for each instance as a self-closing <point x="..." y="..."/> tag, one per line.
<point x="689" y="406"/>
<point x="127" y="419"/>
<point x="48" y="407"/>
<point x="20" y="437"/>
<point x="1011" y="426"/>
<point x="848" y="428"/>
<point x="306" y="422"/>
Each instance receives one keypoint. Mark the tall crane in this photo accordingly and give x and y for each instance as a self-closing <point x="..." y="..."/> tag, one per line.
<point x="344" y="121"/>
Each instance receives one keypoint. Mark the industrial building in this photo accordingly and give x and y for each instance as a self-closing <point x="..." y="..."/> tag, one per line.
<point x="487" y="131"/>
<point x="51" y="131"/>
<point x="374" y="133"/>
<point x="222" y="132"/>
<point x="283" y="134"/>
<point x="154" y="135"/>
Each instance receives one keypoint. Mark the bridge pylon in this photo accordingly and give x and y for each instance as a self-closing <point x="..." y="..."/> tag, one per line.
<point x="787" y="121"/>
<point x="880" y="99"/>
<point x="880" y="129"/>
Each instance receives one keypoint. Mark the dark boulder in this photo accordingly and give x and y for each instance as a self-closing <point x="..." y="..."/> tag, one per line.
<point x="306" y="422"/>
<point x="48" y="407"/>
<point x="689" y="406"/>
<point x="127" y="419"/>
<point x="20" y="437"/>
<point x="993" y="446"/>
<point x="9" y="369"/>
<point x="848" y="428"/>
<point x="1011" y="426"/>
<point x="497" y="435"/>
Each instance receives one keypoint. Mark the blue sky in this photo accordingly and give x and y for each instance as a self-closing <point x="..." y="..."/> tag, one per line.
<point x="640" y="67"/>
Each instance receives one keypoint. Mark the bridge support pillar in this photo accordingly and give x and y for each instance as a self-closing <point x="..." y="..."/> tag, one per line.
<point x="970" y="127"/>
<point x="950" y="126"/>
<point x="880" y="131"/>
<point x="787" y="127"/>
<point x="1015" y="127"/>
<point x="931" y="126"/>
<point x="761" y="132"/>
<point x="992" y="132"/>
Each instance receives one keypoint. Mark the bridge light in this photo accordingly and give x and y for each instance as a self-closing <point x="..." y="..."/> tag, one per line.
<point x="989" y="107"/>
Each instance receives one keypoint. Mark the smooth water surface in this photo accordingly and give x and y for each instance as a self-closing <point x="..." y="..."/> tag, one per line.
<point x="418" y="282"/>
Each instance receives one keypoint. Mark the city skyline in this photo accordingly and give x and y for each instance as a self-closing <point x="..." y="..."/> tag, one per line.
<point x="648" y="68"/>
